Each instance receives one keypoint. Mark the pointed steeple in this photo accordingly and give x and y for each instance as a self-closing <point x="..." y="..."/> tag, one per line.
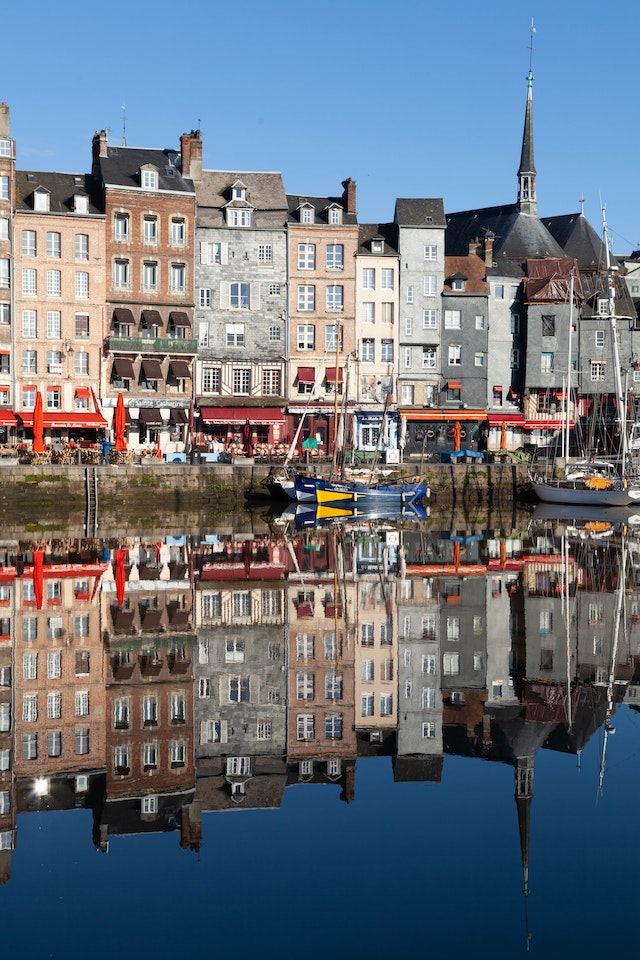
<point x="527" y="170"/>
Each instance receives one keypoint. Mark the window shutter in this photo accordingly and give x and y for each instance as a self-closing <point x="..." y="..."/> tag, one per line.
<point x="224" y="295"/>
<point x="255" y="296"/>
<point x="254" y="689"/>
<point x="223" y="696"/>
<point x="204" y="729"/>
<point x="204" y="252"/>
<point x="224" y="731"/>
<point x="224" y="253"/>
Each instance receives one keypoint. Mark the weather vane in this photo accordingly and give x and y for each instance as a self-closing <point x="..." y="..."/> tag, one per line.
<point x="532" y="30"/>
<point x="124" y="125"/>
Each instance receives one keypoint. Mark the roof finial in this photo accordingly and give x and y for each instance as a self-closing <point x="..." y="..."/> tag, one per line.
<point x="124" y="125"/>
<point x="532" y="30"/>
<point x="582" y="204"/>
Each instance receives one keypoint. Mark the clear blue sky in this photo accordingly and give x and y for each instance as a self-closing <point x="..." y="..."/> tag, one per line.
<point x="411" y="99"/>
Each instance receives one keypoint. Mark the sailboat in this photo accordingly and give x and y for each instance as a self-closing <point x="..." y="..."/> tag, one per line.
<point x="591" y="481"/>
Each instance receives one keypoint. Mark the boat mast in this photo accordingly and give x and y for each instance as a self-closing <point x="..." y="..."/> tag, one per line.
<point x="567" y="416"/>
<point x="611" y="289"/>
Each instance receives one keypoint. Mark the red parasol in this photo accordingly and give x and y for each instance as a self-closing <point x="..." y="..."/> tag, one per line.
<point x="503" y="436"/>
<point x="457" y="434"/>
<point x="121" y="556"/>
<point x="456" y="553"/>
<point x="38" y="577"/>
<point x="120" y="424"/>
<point x="38" y="425"/>
<point x="246" y="439"/>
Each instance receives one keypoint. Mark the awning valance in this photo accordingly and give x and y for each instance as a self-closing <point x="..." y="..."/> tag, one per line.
<point x="546" y="424"/>
<point x="7" y="418"/>
<point x="123" y="315"/>
<point x="82" y="392"/>
<point x="330" y="374"/>
<point x="432" y="415"/>
<point x="454" y="385"/>
<point x="306" y="375"/>
<point x="150" y="416"/>
<point x="179" y="370"/>
<point x="151" y="318"/>
<point x="257" y="415"/>
<point x="151" y="370"/>
<point x="511" y="419"/>
<point x="123" y="368"/>
<point x="60" y="420"/>
<point x="179" y="319"/>
<point x="178" y="416"/>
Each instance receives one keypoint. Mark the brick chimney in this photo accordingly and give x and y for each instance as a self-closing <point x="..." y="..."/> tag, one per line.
<point x="474" y="247"/>
<point x="98" y="149"/>
<point x="488" y="249"/>
<point x="191" y="151"/>
<point x="349" y="195"/>
<point x="5" y="123"/>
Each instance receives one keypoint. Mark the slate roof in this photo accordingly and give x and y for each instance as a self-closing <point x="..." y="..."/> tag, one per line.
<point x="320" y="206"/>
<point x="426" y="212"/>
<point x="516" y="237"/>
<point x="578" y="239"/>
<point x="370" y="231"/>
<point x="122" y="165"/>
<point x="62" y="188"/>
<point x="265" y="195"/>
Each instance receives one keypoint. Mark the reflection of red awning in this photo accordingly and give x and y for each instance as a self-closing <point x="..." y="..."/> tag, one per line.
<point x="497" y="386"/>
<point x="76" y="420"/>
<point x="454" y="385"/>
<point x="7" y="418"/>
<point x="497" y="419"/>
<point x="306" y="375"/>
<point x="436" y="415"/>
<point x="257" y="415"/>
<point x="330" y="374"/>
<point x="546" y="424"/>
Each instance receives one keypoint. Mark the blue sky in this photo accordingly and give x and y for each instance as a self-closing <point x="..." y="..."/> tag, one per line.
<point x="414" y="99"/>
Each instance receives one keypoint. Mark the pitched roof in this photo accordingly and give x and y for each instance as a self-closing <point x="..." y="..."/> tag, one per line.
<point x="371" y="231"/>
<point x="120" y="168"/>
<point x="578" y="239"/>
<point x="62" y="187"/>
<point x="320" y="206"/>
<point x="470" y="268"/>
<point x="264" y="195"/>
<point x="425" y="212"/>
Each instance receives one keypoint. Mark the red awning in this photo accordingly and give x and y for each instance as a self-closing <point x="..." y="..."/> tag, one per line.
<point x="436" y="415"/>
<point x="60" y="420"/>
<point x="306" y="375"/>
<point x="258" y="415"/>
<point x="454" y="385"/>
<point x="330" y="374"/>
<point x="7" y="419"/>
<point x="151" y="370"/>
<point x="497" y="419"/>
<point x="83" y="392"/>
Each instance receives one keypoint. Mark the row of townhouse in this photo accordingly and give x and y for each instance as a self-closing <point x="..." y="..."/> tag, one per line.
<point x="216" y="293"/>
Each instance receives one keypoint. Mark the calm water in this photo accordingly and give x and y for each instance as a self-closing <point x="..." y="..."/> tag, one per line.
<point x="356" y="739"/>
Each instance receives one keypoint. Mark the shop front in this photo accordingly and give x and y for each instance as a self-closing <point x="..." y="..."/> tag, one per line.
<point x="242" y="431"/>
<point x="434" y="431"/>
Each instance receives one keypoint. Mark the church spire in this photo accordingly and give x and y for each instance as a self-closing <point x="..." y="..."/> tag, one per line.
<point x="527" y="170"/>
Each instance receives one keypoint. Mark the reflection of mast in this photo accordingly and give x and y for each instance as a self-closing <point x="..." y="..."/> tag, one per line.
<point x="567" y="619"/>
<point x="524" y="796"/>
<point x="608" y="726"/>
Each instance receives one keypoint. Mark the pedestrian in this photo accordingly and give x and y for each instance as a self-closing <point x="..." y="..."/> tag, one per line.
<point x="106" y="449"/>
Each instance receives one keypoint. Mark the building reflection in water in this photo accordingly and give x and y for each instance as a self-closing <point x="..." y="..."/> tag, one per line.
<point x="152" y="682"/>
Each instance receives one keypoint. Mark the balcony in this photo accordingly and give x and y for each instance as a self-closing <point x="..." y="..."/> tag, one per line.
<point x="148" y="345"/>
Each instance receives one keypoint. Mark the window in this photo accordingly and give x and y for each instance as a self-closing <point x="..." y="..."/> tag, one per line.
<point x="265" y="253"/>
<point x="275" y="334"/>
<point x="81" y="362"/>
<point x="121" y="760"/>
<point x="30" y="708"/>
<point x="4" y="228"/>
<point x="54" y="665"/>
<point x="240" y="296"/>
<point x="306" y="336"/>
<point x="386" y="351"/>
<point x="149" y="275"/>
<point x="515" y="359"/>
<point x="306" y="298"/>
<point x="306" y="256"/>
<point x="335" y="215"/>
<point x="178" y="232"/>
<point x="204" y="296"/>
<point x="204" y="687"/>
<point x="453" y="319"/>
<point x="271" y="383"/>
<point x="150" y="230"/>
<point x="451" y="663"/>
<point x="5" y="757"/>
<point x="5" y="801"/>
<point x="149" y="805"/>
<point x="548" y="326"/>
<point x="212" y="253"/>
<point x="306" y="215"/>
<point x="428" y="698"/>
<point x="242" y="381"/>
<point x="600" y="339"/>
<point x="335" y="256"/>
<point x="410" y="294"/>
<point x="430" y="252"/>
<point x="54" y="398"/>
<point x="333" y="686"/>
<point x="480" y="321"/>
<point x="29" y="243"/>
<point x="368" y="312"/>
<point x="386" y="704"/>
<point x="305" y="686"/>
<point x="479" y="358"/>
<point x="429" y="357"/>
<point x="82" y="283"/>
<point x="498" y="291"/>
<point x="82" y="326"/>
<point x="211" y="379"/>
<point x="5" y="151"/>
<point x="53" y="283"/>
<point x="28" y="282"/>
<point x="29" y="331"/>
<point x="598" y="368"/>
<point x="29" y="746"/>
<point x="121" y="226"/>
<point x="407" y="359"/>
<point x="304" y="724"/>
<point x="455" y="354"/>
<point x="121" y="713"/>
<point x="235" y="334"/>
<point x="429" y="285"/>
<point x="408" y="326"/>
<point x="368" y="278"/>
<point x="238" y="218"/>
<point x="429" y="664"/>
<point x="4" y="188"/>
<point x="333" y="726"/>
<point x="30" y="363"/>
<point x="82" y="703"/>
<point x="177" y="753"/>
<point x="150" y="756"/>
<point x="81" y="246"/>
<point x="53" y="327"/>
<point x="177" y="708"/>
<point x="335" y="298"/>
<point x="429" y="729"/>
<point x="5" y="312"/>
<point x="515" y="324"/>
<point x="150" y="711"/>
<point x="178" y="278"/>
<point x="546" y="363"/>
<point x="304" y="646"/>
<point x="367" y="350"/>
<point x="238" y="689"/>
<point x="430" y="319"/>
<point x="82" y="663"/>
<point x="149" y="179"/>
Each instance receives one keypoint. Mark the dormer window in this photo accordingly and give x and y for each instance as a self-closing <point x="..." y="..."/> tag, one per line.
<point x="41" y="201"/>
<point x="306" y="214"/>
<point x="335" y="215"/>
<point x="377" y="245"/>
<point x="603" y="307"/>
<point x="80" y="203"/>
<point x="458" y="281"/>
<point x="238" y="191"/>
<point x="5" y="148"/>
<point x="238" y="218"/>
<point x="148" y="178"/>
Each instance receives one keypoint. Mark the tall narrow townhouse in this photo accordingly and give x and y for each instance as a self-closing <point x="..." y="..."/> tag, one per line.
<point x="7" y="187"/>
<point x="421" y="369"/>
<point x="241" y="302"/>
<point x="7" y="752"/>
<point x="377" y="287"/>
<point x="58" y="303"/>
<point x="322" y="235"/>
<point x="149" y="347"/>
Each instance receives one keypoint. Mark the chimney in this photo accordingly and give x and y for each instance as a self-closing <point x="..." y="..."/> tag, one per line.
<point x="474" y="247"/>
<point x="349" y="195"/>
<point x="98" y="150"/>
<point x="488" y="249"/>
<point x="191" y="150"/>
<point x="5" y="123"/>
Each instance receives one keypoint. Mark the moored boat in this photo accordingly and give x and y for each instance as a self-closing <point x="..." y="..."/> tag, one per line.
<point x="319" y="490"/>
